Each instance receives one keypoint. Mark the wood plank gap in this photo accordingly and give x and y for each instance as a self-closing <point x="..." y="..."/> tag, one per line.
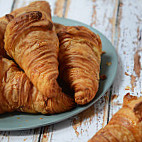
<point x="109" y="103"/>
<point x="41" y="132"/>
<point x="13" y="4"/>
<point x="115" y="44"/>
<point x="52" y="133"/>
<point x="65" y="8"/>
<point x="116" y="25"/>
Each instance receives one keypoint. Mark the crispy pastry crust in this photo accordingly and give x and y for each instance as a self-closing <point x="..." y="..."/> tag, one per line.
<point x="59" y="27"/>
<point x="125" y="125"/>
<point x="3" y="23"/>
<point x="34" y="6"/>
<point x="79" y="58"/>
<point x="31" y="40"/>
<point x="17" y="93"/>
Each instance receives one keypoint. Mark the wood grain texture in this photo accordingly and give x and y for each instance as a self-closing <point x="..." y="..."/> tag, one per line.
<point x="129" y="49"/>
<point x="59" y="8"/>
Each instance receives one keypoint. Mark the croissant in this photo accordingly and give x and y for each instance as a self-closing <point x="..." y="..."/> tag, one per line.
<point x="125" y="125"/>
<point x="3" y="23"/>
<point x="31" y="40"/>
<point x="34" y="6"/>
<point x="17" y="93"/>
<point x="79" y="58"/>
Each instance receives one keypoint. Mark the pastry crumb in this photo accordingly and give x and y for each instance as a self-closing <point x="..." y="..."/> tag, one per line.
<point x="103" y="52"/>
<point x="127" y="88"/>
<point x="126" y="74"/>
<point x="40" y="118"/>
<point x="18" y="117"/>
<point x="103" y="77"/>
<point x="44" y="136"/>
<point x="108" y="63"/>
<point x="114" y="97"/>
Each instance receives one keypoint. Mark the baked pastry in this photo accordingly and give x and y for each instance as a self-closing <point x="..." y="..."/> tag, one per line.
<point x="79" y="58"/>
<point x="17" y="93"/>
<point x="31" y="40"/>
<point x="59" y="27"/>
<point x="34" y="6"/>
<point x="125" y="125"/>
<point x="3" y="23"/>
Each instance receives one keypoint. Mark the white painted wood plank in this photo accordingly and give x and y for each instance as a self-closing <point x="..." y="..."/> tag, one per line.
<point x="100" y="14"/>
<point x="59" y="8"/>
<point x="84" y="125"/>
<point x="128" y="43"/>
<point x="5" y="7"/>
<point x="80" y="10"/>
<point x="21" y="136"/>
<point x="20" y="3"/>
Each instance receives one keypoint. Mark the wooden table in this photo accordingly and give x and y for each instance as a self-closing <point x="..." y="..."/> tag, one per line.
<point x="121" y="22"/>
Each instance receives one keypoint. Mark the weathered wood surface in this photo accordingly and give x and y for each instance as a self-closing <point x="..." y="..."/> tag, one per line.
<point x="129" y="49"/>
<point x="121" y="22"/>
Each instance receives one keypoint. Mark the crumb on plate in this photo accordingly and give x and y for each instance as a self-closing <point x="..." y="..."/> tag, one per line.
<point x="103" y="77"/>
<point x="108" y="63"/>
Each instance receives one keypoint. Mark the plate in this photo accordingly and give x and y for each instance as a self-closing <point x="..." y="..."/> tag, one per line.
<point x="21" y="121"/>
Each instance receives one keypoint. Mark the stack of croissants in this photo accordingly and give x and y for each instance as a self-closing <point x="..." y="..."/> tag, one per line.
<point x="48" y="68"/>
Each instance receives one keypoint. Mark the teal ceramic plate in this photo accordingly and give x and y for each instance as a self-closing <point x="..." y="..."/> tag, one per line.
<point x="21" y="121"/>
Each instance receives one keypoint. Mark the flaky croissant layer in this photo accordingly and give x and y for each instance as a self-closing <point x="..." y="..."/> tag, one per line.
<point x="79" y="58"/>
<point x="17" y="93"/>
<point x="31" y="40"/>
<point x="125" y="125"/>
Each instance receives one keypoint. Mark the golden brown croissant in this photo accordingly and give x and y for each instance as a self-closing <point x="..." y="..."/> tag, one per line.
<point x="34" y="6"/>
<point x="18" y="93"/>
<point x="31" y="40"/>
<point x="79" y="58"/>
<point x="125" y="125"/>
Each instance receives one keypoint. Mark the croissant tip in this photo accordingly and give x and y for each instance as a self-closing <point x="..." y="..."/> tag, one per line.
<point x="128" y="98"/>
<point x="83" y="97"/>
<point x="9" y="17"/>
